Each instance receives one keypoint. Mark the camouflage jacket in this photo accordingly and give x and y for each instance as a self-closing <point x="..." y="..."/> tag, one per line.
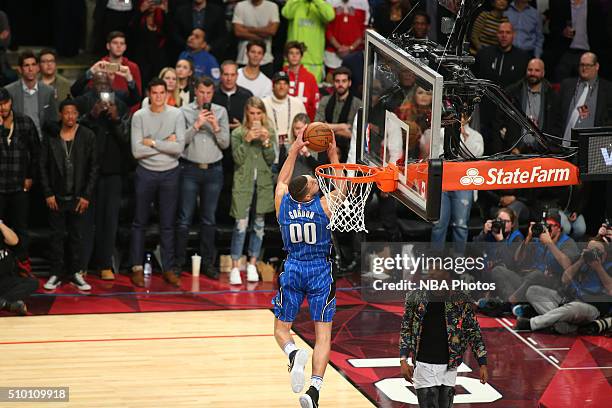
<point x="461" y="326"/>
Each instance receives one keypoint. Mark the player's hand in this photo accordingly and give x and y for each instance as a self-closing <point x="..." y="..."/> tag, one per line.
<point x="332" y="149"/>
<point x="299" y="142"/>
<point x="484" y="374"/>
<point x="407" y="371"/>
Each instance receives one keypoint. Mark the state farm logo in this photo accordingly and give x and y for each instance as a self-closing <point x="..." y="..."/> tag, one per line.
<point x="472" y="176"/>
<point x="497" y="176"/>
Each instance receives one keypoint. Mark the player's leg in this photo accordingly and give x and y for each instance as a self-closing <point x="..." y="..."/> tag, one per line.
<point x="287" y="304"/>
<point x="322" y="303"/>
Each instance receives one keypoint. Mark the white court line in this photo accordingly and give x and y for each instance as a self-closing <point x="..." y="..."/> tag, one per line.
<point x="528" y="344"/>
<point x="553" y="348"/>
<point x="554" y="359"/>
<point x="532" y="341"/>
<point x="508" y="322"/>
<point x="586" y="368"/>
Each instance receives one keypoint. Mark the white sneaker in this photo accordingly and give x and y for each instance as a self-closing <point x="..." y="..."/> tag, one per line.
<point x="252" y="275"/>
<point x="79" y="282"/>
<point x="235" y="278"/>
<point x="296" y="370"/>
<point x="52" y="283"/>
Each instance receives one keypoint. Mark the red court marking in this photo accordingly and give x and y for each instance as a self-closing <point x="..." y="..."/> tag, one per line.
<point x="135" y="339"/>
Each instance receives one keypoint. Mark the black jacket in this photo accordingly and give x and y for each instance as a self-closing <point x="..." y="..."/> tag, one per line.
<point x="214" y="26"/>
<point x="560" y="13"/>
<point x="603" y="113"/>
<point x="504" y="68"/>
<point x="517" y="93"/>
<point x="84" y="158"/>
<point x="112" y="138"/>
<point x="234" y="103"/>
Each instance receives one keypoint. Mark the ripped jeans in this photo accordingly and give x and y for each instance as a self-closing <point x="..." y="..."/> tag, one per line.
<point x="436" y="397"/>
<point x="255" y="237"/>
<point x="455" y="207"/>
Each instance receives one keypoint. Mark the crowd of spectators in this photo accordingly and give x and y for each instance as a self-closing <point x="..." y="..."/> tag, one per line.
<point x="185" y="89"/>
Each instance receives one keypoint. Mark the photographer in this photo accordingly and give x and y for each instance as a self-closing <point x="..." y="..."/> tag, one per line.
<point x="202" y="172"/>
<point x="503" y="229"/>
<point x="586" y="295"/>
<point x="13" y="287"/>
<point x="108" y="118"/>
<point x="544" y="254"/>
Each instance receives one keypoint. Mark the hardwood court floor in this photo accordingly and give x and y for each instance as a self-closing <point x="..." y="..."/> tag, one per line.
<point x="185" y="359"/>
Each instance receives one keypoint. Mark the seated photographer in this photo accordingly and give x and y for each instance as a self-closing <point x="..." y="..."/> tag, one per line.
<point x="503" y="229"/>
<point x="14" y="288"/>
<point x="586" y="293"/>
<point x="542" y="257"/>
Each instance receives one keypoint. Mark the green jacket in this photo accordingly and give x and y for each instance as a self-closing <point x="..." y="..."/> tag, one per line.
<point x="461" y="327"/>
<point x="247" y="158"/>
<point x="307" y="23"/>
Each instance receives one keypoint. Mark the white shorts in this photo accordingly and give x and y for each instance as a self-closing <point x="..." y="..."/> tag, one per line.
<point x="433" y="375"/>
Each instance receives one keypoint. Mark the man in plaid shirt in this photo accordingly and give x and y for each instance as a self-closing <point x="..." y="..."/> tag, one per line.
<point x="19" y="151"/>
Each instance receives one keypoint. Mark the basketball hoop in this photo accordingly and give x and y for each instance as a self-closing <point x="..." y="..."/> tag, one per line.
<point x="347" y="187"/>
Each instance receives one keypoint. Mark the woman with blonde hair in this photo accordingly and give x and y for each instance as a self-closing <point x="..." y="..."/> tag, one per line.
<point x="253" y="188"/>
<point x="168" y="75"/>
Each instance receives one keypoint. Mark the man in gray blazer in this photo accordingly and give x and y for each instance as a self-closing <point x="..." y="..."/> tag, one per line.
<point x="31" y="96"/>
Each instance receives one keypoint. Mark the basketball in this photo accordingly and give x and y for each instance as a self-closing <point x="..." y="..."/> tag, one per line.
<point x="319" y="135"/>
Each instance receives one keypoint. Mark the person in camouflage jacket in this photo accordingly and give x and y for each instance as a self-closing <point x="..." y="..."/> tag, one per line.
<point x="462" y="329"/>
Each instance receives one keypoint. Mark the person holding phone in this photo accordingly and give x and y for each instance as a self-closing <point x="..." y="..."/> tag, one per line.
<point x="254" y="154"/>
<point x="206" y="136"/>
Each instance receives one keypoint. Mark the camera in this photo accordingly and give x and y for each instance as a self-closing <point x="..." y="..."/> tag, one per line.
<point x="498" y="226"/>
<point x="206" y="106"/>
<point x="591" y="255"/>
<point x="538" y="228"/>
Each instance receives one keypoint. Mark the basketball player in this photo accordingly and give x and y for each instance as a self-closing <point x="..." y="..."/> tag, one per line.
<point x="303" y="217"/>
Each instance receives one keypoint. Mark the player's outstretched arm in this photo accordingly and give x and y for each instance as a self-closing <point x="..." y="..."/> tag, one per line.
<point x="284" y="177"/>
<point x="332" y="154"/>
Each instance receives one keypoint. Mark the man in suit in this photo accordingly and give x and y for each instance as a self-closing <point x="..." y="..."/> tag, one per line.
<point x="205" y="15"/>
<point x="576" y="26"/>
<point x="31" y="96"/>
<point x="535" y="96"/>
<point x="585" y="101"/>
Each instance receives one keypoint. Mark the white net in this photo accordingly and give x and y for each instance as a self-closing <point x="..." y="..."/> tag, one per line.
<point x="345" y="197"/>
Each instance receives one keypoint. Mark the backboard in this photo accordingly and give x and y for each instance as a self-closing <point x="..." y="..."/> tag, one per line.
<point x="401" y="123"/>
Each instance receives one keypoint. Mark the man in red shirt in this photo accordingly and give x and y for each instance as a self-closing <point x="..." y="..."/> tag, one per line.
<point x="345" y="34"/>
<point x="302" y="83"/>
<point x="124" y="73"/>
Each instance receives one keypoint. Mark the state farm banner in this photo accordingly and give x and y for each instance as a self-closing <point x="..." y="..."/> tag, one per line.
<point x="500" y="175"/>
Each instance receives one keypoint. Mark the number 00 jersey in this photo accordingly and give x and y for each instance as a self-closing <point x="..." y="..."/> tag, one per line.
<point x="304" y="229"/>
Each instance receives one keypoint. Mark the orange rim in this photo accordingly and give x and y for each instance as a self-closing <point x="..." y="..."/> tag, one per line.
<point x="370" y="178"/>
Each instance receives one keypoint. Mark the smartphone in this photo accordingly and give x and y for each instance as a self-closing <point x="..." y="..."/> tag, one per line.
<point x="206" y="106"/>
<point x="108" y="97"/>
<point x="256" y="124"/>
<point x="113" y="67"/>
